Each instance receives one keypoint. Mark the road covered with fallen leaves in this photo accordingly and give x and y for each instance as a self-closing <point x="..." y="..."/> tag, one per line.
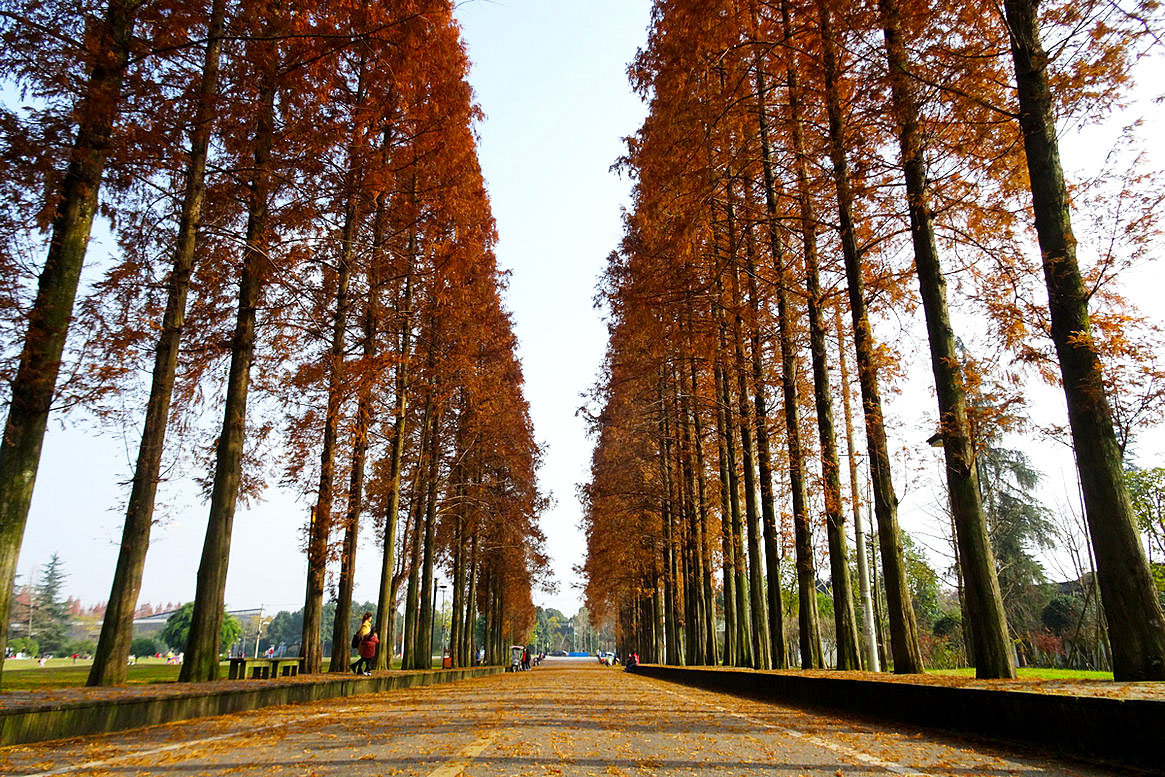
<point x="566" y="717"/>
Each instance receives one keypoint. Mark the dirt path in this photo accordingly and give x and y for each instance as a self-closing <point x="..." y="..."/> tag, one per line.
<point x="563" y="718"/>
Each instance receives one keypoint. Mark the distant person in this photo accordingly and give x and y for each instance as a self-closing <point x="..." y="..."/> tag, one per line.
<point x="367" y="650"/>
<point x="362" y="630"/>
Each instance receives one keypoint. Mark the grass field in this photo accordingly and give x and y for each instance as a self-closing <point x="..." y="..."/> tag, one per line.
<point x="1034" y="673"/>
<point x="24" y="674"/>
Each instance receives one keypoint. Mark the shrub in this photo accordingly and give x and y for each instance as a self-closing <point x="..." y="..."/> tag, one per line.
<point x="143" y="646"/>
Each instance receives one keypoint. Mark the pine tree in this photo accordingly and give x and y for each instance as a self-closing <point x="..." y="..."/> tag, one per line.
<point x="52" y="611"/>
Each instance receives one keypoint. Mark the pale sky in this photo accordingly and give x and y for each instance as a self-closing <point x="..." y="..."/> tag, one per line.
<point x="550" y="76"/>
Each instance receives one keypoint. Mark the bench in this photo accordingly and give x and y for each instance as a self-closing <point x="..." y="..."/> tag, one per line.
<point x="264" y="668"/>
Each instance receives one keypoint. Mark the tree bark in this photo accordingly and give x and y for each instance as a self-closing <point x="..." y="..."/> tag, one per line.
<point x="364" y="409"/>
<point x="760" y="631"/>
<point x="424" y="644"/>
<point x="48" y="321"/>
<point x="703" y="548"/>
<point x="903" y="628"/>
<point x="843" y="612"/>
<point x="201" y="660"/>
<point x="1135" y="620"/>
<point x="808" y="632"/>
<point x="111" y="660"/>
<point x="727" y="548"/>
<point x="321" y="528"/>
<point x="869" y="637"/>
<point x="984" y="600"/>
<point x="470" y="637"/>
<point x="386" y="601"/>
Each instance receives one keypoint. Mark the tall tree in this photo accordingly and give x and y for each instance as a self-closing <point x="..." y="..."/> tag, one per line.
<point x="109" y="44"/>
<point x="903" y="627"/>
<point x="845" y="628"/>
<point x="993" y="653"/>
<point x="110" y="662"/>
<point x="53" y="618"/>
<point x="202" y="654"/>
<point x="1135" y="618"/>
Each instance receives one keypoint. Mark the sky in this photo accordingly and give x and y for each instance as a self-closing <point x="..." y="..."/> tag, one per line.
<point x="550" y="77"/>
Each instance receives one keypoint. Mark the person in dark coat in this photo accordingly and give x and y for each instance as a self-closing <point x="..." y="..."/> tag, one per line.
<point x="367" y="654"/>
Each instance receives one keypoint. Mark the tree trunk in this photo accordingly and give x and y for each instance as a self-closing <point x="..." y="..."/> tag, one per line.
<point x="673" y="604"/>
<point x="903" y="628"/>
<point x="424" y="644"/>
<point x="317" y="549"/>
<point x="470" y="637"/>
<point x="459" y="553"/>
<point x="808" y="632"/>
<point x="412" y="588"/>
<point x="759" y="626"/>
<point x="342" y="623"/>
<point x="843" y="611"/>
<point x="869" y="638"/>
<point x="48" y="321"/>
<point x="744" y="651"/>
<point x="201" y="659"/>
<point x="1135" y="620"/>
<point x="727" y="550"/>
<point x="703" y="547"/>
<point x="984" y="600"/>
<point x="111" y="660"/>
<point x="386" y="602"/>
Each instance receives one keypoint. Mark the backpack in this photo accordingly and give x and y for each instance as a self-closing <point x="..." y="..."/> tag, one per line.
<point x="356" y="640"/>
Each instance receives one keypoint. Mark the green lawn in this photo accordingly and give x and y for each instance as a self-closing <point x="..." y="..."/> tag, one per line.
<point x="1033" y="673"/>
<point x="24" y="674"/>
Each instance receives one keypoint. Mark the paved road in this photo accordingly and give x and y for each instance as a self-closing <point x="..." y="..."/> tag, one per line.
<point x="564" y="718"/>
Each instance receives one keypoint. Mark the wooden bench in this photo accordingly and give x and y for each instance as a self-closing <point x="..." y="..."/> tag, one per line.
<point x="264" y="668"/>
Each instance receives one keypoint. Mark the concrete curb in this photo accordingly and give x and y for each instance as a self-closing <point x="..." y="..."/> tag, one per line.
<point x="59" y="721"/>
<point x="1122" y="731"/>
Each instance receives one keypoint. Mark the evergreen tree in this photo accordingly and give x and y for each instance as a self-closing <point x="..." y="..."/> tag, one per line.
<point x="1018" y="524"/>
<point x="51" y="610"/>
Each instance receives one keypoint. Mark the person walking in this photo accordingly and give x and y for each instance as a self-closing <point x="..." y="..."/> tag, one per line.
<point x="367" y="653"/>
<point x="358" y="638"/>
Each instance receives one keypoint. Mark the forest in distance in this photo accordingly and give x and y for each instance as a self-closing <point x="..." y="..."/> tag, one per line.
<point x="305" y="263"/>
<point x="809" y="171"/>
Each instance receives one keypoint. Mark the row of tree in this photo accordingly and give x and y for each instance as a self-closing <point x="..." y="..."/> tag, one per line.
<point x="305" y="251"/>
<point x="804" y="163"/>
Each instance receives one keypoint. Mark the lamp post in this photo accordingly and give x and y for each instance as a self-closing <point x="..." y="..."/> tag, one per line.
<point x="258" y="631"/>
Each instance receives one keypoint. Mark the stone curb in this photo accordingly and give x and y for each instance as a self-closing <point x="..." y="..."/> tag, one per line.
<point x="70" y="719"/>
<point x="1122" y="731"/>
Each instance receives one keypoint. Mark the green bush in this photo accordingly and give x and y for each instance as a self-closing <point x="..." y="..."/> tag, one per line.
<point x="143" y="646"/>
<point x="177" y="630"/>
<point x="80" y="647"/>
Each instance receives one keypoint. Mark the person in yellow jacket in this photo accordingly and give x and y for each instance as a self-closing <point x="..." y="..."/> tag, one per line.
<point x="360" y="635"/>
